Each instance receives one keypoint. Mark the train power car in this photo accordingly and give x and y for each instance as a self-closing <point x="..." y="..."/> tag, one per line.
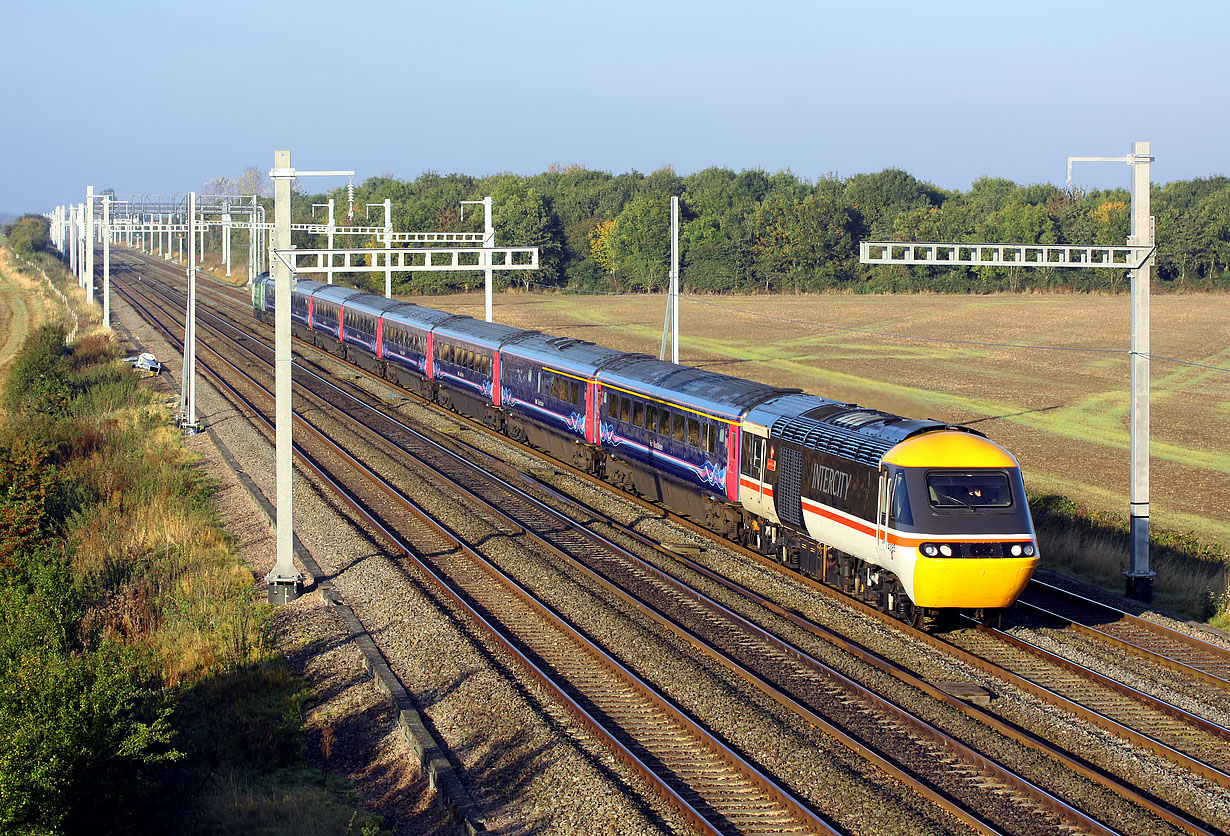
<point x="915" y="516"/>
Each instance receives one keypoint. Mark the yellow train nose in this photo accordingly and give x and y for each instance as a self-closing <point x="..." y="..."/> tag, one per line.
<point x="970" y="583"/>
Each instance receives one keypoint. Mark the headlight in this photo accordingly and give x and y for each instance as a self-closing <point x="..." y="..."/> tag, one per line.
<point x="1016" y="550"/>
<point x="929" y="549"/>
<point x="1029" y="549"/>
<point x="946" y="550"/>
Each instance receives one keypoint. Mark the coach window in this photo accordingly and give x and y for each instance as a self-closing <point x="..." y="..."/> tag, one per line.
<point x="575" y="392"/>
<point x="678" y="427"/>
<point x="651" y="418"/>
<point x="708" y="433"/>
<point x="693" y="433"/>
<point x="625" y="409"/>
<point x="753" y="455"/>
<point x="638" y="413"/>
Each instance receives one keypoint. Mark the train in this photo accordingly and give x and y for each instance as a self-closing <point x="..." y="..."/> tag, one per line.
<point x="917" y="517"/>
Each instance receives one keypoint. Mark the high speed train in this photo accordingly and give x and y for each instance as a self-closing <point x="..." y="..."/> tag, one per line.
<point x="917" y="517"/>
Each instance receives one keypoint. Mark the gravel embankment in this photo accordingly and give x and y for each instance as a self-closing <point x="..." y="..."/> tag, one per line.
<point x="525" y="763"/>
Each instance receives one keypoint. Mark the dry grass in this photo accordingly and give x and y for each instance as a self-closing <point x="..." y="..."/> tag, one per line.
<point x="1185" y="585"/>
<point x="161" y="570"/>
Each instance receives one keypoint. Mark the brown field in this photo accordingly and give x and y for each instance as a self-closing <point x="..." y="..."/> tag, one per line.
<point x="1063" y="413"/>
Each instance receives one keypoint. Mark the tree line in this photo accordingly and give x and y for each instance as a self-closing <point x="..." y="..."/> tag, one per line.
<point x="760" y="232"/>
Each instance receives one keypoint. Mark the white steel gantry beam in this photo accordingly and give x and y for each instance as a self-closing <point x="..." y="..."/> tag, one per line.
<point x="1001" y="255"/>
<point x="1137" y="258"/>
<point x="411" y="259"/>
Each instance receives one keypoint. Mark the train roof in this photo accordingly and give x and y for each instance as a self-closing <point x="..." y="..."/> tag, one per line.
<point x="478" y="332"/>
<point x="304" y="287"/>
<point x="713" y="392"/>
<point x="580" y="356"/>
<point x="335" y="293"/>
<point x="841" y="429"/>
<point x="797" y="403"/>
<point x="370" y="303"/>
<point x="415" y="316"/>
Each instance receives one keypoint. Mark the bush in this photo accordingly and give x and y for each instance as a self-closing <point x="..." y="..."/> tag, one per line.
<point x="39" y="378"/>
<point x="76" y="715"/>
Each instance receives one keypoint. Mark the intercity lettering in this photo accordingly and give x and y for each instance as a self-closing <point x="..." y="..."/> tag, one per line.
<point x="835" y="483"/>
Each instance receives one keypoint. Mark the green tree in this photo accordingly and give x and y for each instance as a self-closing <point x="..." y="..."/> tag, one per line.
<point x="29" y="234"/>
<point x="522" y="219"/>
<point x="1212" y="215"/>
<point x="807" y="242"/>
<point x="640" y="242"/>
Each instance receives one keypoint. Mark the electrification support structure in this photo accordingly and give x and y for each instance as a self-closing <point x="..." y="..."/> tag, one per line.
<point x="89" y="245"/>
<point x="671" y="325"/>
<point x="187" y="399"/>
<point x="488" y="244"/>
<point x="106" y="236"/>
<point x="284" y="582"/>
<point x="1137" y="258"/>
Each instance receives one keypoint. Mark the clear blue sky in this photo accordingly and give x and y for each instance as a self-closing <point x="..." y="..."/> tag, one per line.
<point x="160" y="97"/>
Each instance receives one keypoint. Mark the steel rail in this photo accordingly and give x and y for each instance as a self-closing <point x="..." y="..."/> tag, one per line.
<point x="1204" y="660"/>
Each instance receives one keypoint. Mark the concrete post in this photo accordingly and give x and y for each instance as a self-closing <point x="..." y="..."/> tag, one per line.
<point x="329" y="274"/>
<point x="1139" y="578"/>
<point x="72" y="241"/>
<point x="81" y="239"/>
<point x="488" y="274"/>
<point x="106" y="222"/>
<point x="284" y="583"/>
<point x="674" y="279"/>
<point x="226" y="241"/>
<point x="388" y="244"/>
<point x="187" y="400"/>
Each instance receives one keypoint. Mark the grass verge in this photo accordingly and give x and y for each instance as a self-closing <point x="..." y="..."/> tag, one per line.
<point x="140" y="690"/>
<point x="1193" y="577"/>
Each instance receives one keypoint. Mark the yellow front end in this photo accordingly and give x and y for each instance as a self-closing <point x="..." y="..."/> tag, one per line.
<point x="966" y="583"/>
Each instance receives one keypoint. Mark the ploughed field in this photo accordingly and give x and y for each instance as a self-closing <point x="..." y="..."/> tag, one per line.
<point x="1064" y="413"/>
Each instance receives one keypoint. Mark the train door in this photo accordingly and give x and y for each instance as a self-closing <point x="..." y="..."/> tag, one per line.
<point x="883" y="503"/>
<point x="755" y="478"/>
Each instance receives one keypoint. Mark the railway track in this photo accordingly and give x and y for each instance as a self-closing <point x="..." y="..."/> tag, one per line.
<point x="718" y="790"/>
<point x="782" y="657"/>
<point x="1180" y="652"/>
